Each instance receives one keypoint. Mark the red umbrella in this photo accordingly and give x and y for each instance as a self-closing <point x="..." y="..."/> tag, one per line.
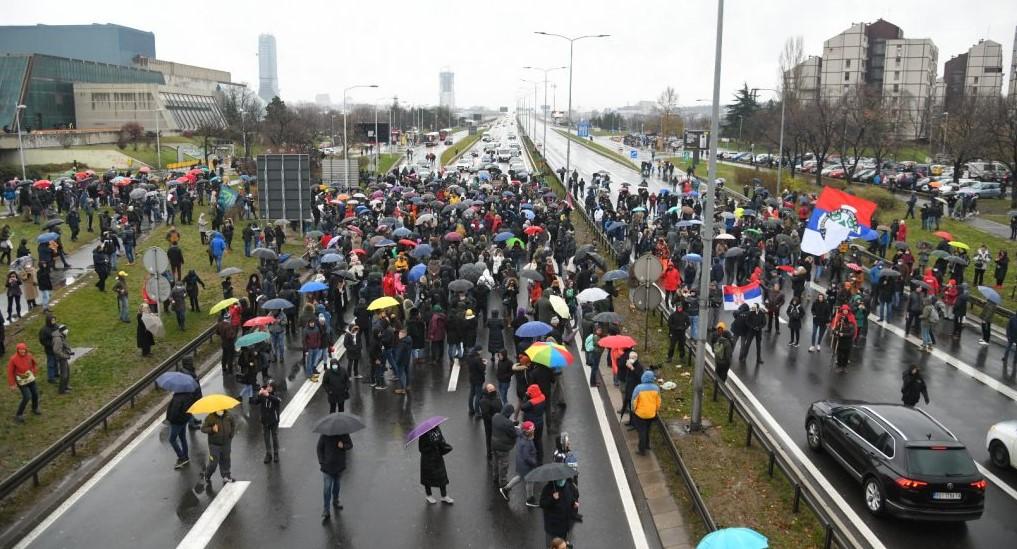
<point x="408" y="242"/>
<point x="453" y="237"/>
<point x="944" y="235"/>
<point x="123" y="182"/>
<point x="81" y="176"/>
<point x="533" y="229"/>
<point x="42" y="184"/>
<point x="617" y="342"/>
<point x="359" y="251"/>
<point x="144" y="169"/>
<point x="355" y="229"/>
<point x="260" y="321"/>
<point x="786" y="268"/>
<point x="853" y="266"/>
<point x="182" y="180"/>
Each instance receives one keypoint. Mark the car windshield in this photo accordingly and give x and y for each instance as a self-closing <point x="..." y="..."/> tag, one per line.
<point x="937" y="461"/>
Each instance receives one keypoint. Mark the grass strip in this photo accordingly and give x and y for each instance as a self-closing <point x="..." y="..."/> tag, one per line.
<point x="450" y="154"/>
<point x="600" y="149"/>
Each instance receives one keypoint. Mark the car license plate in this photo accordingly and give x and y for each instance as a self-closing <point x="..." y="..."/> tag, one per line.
<point x="946" y="495"/>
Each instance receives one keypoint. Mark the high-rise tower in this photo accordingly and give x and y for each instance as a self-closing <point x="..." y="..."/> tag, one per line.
<point x="268" y="74"/>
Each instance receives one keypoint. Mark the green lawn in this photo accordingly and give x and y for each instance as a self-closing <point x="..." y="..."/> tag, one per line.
<point x="461" y="146"/>
<point x="387" y="160"/>
<point x="144" y="153"/>
<point x="115" y="363"/>
<point x="600" y="149"/>
<point x="605" y="133"/>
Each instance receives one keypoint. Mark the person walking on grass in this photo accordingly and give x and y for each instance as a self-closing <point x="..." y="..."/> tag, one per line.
<point x="63" y="353"/>
<point x="21" y="372"/>
<point x="332" y="462"/>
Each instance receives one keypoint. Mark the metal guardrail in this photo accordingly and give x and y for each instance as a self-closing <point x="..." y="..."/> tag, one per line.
<point x="31" y="470"/>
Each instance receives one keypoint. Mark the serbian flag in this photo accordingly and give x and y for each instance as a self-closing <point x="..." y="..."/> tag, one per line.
<point x="836" y="217"/>
<point x="735" y="296"/>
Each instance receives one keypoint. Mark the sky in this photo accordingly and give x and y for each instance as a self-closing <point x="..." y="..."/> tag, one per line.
<point x="402" y="45"/>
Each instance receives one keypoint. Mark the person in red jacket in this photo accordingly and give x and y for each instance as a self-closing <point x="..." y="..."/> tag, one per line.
<point x="671" y="279"/>
<point x="21" y="372"/>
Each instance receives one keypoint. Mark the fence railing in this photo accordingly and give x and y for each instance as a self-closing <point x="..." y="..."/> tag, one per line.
<point x="70" y="441"/>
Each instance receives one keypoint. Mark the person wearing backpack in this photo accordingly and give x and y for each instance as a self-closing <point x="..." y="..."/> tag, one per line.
<point x="930" y="317"/>
<point x="723" y="350"/>
<point x="593" y="352"/>
<point x="795" y="313"/>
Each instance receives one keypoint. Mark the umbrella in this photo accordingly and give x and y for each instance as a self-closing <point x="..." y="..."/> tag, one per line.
<point x="853" y="266"/>
<point x="939" y="254"/>
<point x="223" y="305"/>
<point x="277" y="303"/>
<point x="338" y="424"/>
<point x="453" y="237"/>
<point x="692" y="258"/>
<point x="617" y="274"/>
<point x="731" y="538"/>
<point x="608" y="317"/>
<point x="734" y="252"/>
<point x="944" y="235"/>
<point x="252" y="338"/>
<point x="294" y="263"/>
<point x="503" y="236"/>
<point x="901" y="245"/>
<point x="401" y="232"/>
<point x="138" y="194"/>
<point x="531" y="274"/>
<point x="53" y="223"/>
<point x="313" y="286"/>
<point x="281" y="222"/>
<point x="259" y="321"/>
<point x="423" y="427"/>
<point x="616" y="342"/>
<point x="724" y="236"/>
<point x="422" y="251"/>
<point x="956" y="259"/>
<point x="212" y="403"/>
<point x="424" y="219"/>
<point x="921" y="284"/>
<point x="990" y="294"/>
<point x="590" y="295"/>
<point x="551" y="355"/>
<point x="314" y="234"/>
<point x="417" y="272"/>
<point x="331" y="258"/>
<point x="889" y="272"/>
<point x="46" y="237"/>
<point x="176" y="382"/>
<point x="1012" y="213"/>
<point x="534" y="328"/>
<point x="383" y="303"/>
<point x="615" y="225"/>
<point x="384" y="243"/>
<point x="559" y="306"/>
<point x="533" y="229"/>
<point x="42" y="184"/>
<point x="961" y="245"/>
<point x="264" y="253"/>
<point x="347" y="275"/>
<point x="230" y="271"/>
<point x="514" y="241"/>
<point x="460" y="285"/>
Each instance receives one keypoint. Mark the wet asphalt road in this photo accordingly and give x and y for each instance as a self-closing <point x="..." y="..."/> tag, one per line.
<point x="791" y="379"/>
<point x="143" y="501"/>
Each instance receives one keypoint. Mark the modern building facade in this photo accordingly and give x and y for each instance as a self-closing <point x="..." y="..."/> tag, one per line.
<point x="446" y="89"/>
<point x="804" y="78"/>
<point x="268" y="70"/>
<point x="101" y="43"/>
<point x="977" y="72"/>
<point x="179" y="75"/>
<point x="155" y="107"/>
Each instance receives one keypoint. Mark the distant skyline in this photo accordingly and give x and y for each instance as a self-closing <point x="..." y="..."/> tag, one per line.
<point x="401" y="45"/>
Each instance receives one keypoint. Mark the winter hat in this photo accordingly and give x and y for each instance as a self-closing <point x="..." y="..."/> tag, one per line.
<point x="533" y="391"/>
<point x="528" y="426"/>
<point x="648" y="377"/>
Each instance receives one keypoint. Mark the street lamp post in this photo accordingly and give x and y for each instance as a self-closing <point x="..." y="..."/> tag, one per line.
<point x="780" y="144"/>
<point x="21" y="146"/>
<point x="346" y="147"/>
<point x="696" y="423"/>
<point x="544" y="107"/>
<point x="533" y="118"/>
<point x="568" y="121"/>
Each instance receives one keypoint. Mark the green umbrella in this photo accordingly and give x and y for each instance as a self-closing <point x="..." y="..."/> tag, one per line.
<point x="251" y="339"/>
<point x="513" y="241"/>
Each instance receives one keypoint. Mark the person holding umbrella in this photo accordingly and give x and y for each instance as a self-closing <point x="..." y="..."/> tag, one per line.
<point x="432" y="447"/>
<point x="560" y="501"/>
<point x="220" y="428"/>
<point x="183" y="387"/>
<point x="332" y="461"/>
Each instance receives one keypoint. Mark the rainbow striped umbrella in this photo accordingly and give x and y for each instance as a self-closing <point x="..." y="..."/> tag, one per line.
<point x="549" y="354"/>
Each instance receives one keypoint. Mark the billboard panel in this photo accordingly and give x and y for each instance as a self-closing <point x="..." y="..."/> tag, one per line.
<point x="364" y="132"/>
<point x="284" y="186"/>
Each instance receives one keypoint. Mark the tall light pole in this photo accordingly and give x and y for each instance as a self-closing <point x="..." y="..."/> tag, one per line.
<point x="346" y="144"/>
<point x="533" y="119"/>
<point x="696" y="423"/>
<point x="21" y="146"/>
<point x="780" y="145"/>
<point x="544" y="107"/>
<point x="568" y="122"/>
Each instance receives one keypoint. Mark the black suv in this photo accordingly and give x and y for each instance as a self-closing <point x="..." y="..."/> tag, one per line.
<point x="909" y="464"/>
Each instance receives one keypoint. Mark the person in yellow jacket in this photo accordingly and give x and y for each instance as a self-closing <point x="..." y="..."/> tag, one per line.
<point x="645" y="404"/>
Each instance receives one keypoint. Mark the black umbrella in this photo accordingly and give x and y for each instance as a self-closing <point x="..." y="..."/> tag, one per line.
<point x="347" y="275"/>
<point x="264" y="253"/>
<point x="550" y="472"/>
<point x="53" y="223"/>
<point x="956" y="259"/>
<point x="888" y="272"/>
<point x="460" y="285"/>
<point x="294" y="263"/>
<point x="531" y="274"/>
<point x="921" y="284"/>
<point x="608" y="317"/>
<point x="338" y="424"/>
<point x="734" y="252"/>
<point x="901" y="245"/>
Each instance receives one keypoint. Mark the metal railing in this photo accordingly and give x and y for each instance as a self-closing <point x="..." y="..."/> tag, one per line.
<point x="70" y="441"/>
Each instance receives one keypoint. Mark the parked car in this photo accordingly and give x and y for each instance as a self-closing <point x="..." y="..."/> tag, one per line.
<point x="864" y="176"/>
<point x="987" y="171"/>
<point x="464" y="164"/>
<point x="984" y="189"/>
<point x="1001" y="441"/>
<point x="909" y="464"/>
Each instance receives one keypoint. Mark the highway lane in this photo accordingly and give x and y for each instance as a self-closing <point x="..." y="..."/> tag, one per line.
<point x="791" y="379"/>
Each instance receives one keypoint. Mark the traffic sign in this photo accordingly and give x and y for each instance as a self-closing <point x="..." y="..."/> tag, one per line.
<point x="647" y="269"/>
<point x="155" y="261"/>
<point x="633" y="154"/>
<point x="646" y="297"/>
<point x="158" y="288"/>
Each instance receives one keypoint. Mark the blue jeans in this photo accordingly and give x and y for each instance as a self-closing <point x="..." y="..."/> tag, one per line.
<point x="44" y="296"/>
<point x="884" y="309"/>
<point x="129" y="252"/>
<point x="331" y="489"/>
<point x="475" y="391"/>
<point x="218" y="262"/>
<point x="818" y="331"/>
<point x="178" y="439"/>
<point x="402" y="371"/>
<point x="926" y="334"/>
<point x="694" y="320"/>
<point x="389" y="356"/>
<point x="1006" y="352"/>
<point x="247" y="248"/>
<point x="279" y="345"/>
<point x="52" y="367"/>
<point x="311" y="359"/>
<point x="455" y="350"/>
<point x="503" y="388"/>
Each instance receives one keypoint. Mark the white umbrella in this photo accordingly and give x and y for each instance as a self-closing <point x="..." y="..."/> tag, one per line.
<point x="724" y="236"/>
<point x="590" y="295"/>
<point x="559" y="306"/>
<point x="154" y="324"/>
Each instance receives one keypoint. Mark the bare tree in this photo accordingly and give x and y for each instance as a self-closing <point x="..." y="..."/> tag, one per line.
<point x="821" y="126"/>
<point x="860" y="108"/>
<point x="789" y="77"/>
<point x="1004" y="137"/>
<point x="242" y="112"/>
<point x="964" y="135"/>
<point x="667" y="107"/>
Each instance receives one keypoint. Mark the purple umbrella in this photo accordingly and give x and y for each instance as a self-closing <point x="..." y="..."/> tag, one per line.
<point x="423" y="427"/>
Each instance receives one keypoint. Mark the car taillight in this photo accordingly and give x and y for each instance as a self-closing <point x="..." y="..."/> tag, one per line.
<point x="979" y="484"/>
<point x="909" y="484"/>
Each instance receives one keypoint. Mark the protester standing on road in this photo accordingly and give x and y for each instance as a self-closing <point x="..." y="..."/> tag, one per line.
<point x="645" y="404"/>
<point x="314" y="346"/>
<point x="337" y="386"/>
<point x="560" y="501"/>
<point x="913" y="387"/>
<point x="332" y="461"/>
<point x="489" y="406"/>
<point x="179" y="419"/>
<point x="795" y="313"/>
<point x="532" y="409"/>
<point x="821" y="314"/>
<point x="432" y="447"/>
<point x="220" y="428"/>
<point x="270" y="407"/>
<point x="755" y="322"/>
<point x="503" y="439"/>
<point x="476" y="366"/>
<point x="526" y="460"/>
<point x="1011" y="340"/>
<point x="21" y="372"/>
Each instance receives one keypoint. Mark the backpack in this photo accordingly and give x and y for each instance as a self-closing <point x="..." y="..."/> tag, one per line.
<point x="933" y="315"/>
<point x="722" y="349"/>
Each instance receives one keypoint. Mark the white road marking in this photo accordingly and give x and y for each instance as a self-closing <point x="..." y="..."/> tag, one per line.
<point x="998" y="482"/>
<point x="290" y="414"/>
<point x="214" y="515"/>
<point x="453" y="381"/>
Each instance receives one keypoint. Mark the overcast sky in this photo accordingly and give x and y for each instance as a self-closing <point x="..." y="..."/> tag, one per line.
<point x="324" y="46"/>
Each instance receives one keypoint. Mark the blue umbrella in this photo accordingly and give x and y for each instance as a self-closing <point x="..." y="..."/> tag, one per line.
<point x="384" y="242"/>
<point x="277" y="303"/>
<point x="46" y="237"/>
<point x="502" y="237"/>
<point x="990" y="294"/>
<point x="615" y="275"/>
<point x="422" y="251"/>
<point x="252" y="338"/>
<point x="664" y="192"/>
<point x="313" y="286"/>
<point x="401" y="232"/>
<point x="692" y="258"/>
<point x="526" y="206"/>
<point x="529" y="214"/>
<point x="331" y="258"/>
<point x="615" y="225"/>
<point x="417" y="272"/>
<point x="639" y="209"/>
<point x="508" y="194"/>
<point x="733" y="538"/>
<point x="534" y="328"/>
<point x="177" y="382"/>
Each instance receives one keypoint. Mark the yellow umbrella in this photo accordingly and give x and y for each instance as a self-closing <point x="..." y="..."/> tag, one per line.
<point x="559" y="306"/>
<point x="960" y="245"/>
<point x="222" y="305"/>
<point x="383" y="303"/>
<point x="212" y="403"/>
